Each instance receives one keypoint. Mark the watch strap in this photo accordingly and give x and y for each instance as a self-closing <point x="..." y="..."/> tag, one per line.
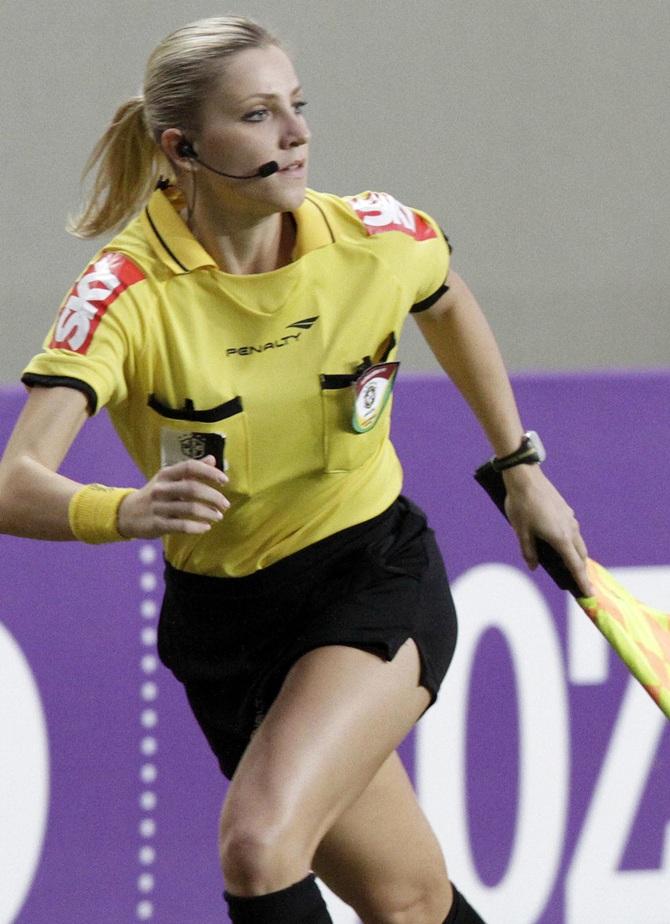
<point x="528" y="453"/>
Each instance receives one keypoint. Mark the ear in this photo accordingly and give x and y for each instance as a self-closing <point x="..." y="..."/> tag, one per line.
<point x="171" y="142"/>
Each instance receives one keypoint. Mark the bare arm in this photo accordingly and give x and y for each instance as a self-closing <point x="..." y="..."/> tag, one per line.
<point x="463" y="343"/>
<point x="34" y="498"/>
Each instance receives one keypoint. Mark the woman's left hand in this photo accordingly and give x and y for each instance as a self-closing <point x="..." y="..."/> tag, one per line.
<point x="536" y="510"/>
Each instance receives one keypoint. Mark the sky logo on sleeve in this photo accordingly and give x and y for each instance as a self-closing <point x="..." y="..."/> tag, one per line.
<point x="97" y="288"/>
<point x="380" y="212"/>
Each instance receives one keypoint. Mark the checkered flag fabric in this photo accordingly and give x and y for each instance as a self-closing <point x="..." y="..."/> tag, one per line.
<point x="638" y="633"/>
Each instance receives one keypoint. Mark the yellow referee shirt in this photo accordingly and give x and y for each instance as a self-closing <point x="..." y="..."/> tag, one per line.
<point x="178" y="350"/>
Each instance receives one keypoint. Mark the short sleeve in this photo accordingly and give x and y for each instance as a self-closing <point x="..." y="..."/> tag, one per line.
<point x="91" y="340"/>
<point x="412" y="242"/>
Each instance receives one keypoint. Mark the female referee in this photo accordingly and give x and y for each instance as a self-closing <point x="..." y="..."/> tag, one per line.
<point x="241" y="330"/>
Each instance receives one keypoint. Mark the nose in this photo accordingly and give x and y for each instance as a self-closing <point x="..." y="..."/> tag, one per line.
<point x="296" y="132"/>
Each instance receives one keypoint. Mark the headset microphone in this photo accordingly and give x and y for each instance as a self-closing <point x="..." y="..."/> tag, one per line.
<point x="186" y="149"/>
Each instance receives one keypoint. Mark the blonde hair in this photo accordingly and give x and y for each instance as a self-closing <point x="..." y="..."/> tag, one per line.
<point x="127" y="159"/>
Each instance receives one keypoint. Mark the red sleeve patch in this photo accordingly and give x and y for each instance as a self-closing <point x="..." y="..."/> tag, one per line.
<point x="380" y="212"/>
<point x="96" y="289"/>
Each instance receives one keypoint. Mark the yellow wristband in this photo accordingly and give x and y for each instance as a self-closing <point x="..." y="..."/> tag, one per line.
<point x="93" y="513"/>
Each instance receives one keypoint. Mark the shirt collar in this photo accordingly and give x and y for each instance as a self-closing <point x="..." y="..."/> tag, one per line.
<point x="170" y="235"/>
<point x="182" y="252"/>
<point x="314" y="229"/>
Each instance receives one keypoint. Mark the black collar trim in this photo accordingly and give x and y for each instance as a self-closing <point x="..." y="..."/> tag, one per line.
<point x="162" y="242"/>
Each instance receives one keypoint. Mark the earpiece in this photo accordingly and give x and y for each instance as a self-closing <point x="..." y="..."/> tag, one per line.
<point x="185" y="149"/>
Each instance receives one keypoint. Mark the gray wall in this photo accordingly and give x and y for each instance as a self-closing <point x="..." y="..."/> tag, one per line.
<point x="536" y="131"/>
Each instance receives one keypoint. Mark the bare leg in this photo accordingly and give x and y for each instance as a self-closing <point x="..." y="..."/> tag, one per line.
<point x="382" y="857"/>
<point x="339" y="716"/>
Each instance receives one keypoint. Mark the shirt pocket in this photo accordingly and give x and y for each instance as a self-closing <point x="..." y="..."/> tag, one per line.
<point x="189" y="427"/>
<point x="345" y="449"/>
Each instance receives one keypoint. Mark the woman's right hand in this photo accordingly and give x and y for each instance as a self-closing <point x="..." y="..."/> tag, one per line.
<point x="181" y="498"/>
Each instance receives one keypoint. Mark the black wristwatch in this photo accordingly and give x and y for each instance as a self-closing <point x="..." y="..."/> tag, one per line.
<point x="530" y="452"/>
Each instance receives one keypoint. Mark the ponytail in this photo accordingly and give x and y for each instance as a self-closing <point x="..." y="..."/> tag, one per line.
<point x="179" y="74"/>
<point x="128" y="164"/>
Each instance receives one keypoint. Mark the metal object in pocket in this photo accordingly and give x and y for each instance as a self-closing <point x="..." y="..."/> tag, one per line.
<point x="181" y="445"/>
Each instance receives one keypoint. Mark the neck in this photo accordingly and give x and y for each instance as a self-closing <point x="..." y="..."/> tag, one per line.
<point x="243" y="245"/>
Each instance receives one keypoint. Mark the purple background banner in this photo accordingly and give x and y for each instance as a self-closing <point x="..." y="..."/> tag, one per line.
<point x="543" y="766"/>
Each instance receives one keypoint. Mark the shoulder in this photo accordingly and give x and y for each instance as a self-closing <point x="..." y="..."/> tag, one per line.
<point x="375" y="213"/>
<point x="119" y="266"/>
<point x="109" y="274"/>
<point x="101" y="286"/>
<point x="113" y="271"/>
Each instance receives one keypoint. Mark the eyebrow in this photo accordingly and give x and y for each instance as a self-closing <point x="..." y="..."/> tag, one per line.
<point x="297" y="89"/>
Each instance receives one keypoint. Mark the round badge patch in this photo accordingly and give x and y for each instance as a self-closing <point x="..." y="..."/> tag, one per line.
<point x="372" y="390"/>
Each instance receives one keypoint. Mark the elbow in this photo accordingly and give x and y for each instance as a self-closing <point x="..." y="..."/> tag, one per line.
<point x="4" y="515"/>
<point x="6" y="494"/>
<point x="15" y="498"/>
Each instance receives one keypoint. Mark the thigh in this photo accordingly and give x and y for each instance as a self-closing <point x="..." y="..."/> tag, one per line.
<point x="381" y="852"/>
<point x="338" y="716"/>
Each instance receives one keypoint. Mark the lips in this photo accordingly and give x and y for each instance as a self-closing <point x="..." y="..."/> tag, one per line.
<point x="296" y="166"/>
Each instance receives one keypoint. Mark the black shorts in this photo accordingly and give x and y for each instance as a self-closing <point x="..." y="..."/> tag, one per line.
<point x="232" y="641"/>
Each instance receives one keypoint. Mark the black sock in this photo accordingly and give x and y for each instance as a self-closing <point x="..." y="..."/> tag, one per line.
<point x="301" y="903"/>
<point x="461" y="912"/>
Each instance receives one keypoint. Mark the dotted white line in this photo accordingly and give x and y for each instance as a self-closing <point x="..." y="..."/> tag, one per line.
<point x="148" y="581"/>
<point x="148" y="746"/>
<point x="149" y="609"/>
<point x="148" y="800"/>
<point x="149" y="718"/>
<point x="146" y="882"/>
<point x="148" y="635"/>
<point x="144" y="910"/>
<point x="149" y="560"/>
<point x="148" y="554"/>
<point x="149" y="691"/>
<point x="149" y="664"/>
<point x="146" y="855"/>
<point x="147" y="827"/>
<point x="148" y="773"/>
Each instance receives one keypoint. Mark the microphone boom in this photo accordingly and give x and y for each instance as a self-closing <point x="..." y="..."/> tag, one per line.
<point x="264" y="170"/>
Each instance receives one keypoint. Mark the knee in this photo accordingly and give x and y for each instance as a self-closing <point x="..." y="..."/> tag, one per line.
<point x="247" y="856"/>
<point x="423" y="900"/>
<point x="258" y="857"/>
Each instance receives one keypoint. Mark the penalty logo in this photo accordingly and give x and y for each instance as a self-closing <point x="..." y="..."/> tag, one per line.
<point x="276" y="344"/>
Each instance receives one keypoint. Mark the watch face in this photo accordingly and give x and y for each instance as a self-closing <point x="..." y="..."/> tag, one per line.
<point x="530" y="452"/>
<point x="535" y="443"/>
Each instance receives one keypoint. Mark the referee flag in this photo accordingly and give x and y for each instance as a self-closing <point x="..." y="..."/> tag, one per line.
<point x="639" y="634"/>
